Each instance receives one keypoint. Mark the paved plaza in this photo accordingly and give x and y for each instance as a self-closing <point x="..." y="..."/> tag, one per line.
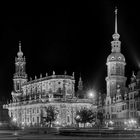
<point x="17" y="135"/>
<point x="53" y="137"/>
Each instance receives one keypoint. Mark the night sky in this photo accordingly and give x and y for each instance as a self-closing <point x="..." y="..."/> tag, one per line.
<point x="76" y="38"/>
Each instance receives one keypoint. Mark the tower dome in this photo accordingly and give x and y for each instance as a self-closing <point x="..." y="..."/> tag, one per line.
<point x="117" y="57"/>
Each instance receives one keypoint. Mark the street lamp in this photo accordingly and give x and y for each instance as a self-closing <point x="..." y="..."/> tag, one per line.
<point x="111" y="122"/>
<point x="78" y="120"/>
<point x="57" y="123"/>
<point x="23" y="125"/>
<point x="130" y="124"/>
<point x="78" y="117"/>
<point x="14" y="120"/>
<point x="14" y="125"/>
<point x="91" y="94"/>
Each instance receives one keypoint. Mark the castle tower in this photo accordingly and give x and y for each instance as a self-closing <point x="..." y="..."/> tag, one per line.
<point x="115" y="66"/>
<point x="80" y="92"/>
<point x="20" y="75"/>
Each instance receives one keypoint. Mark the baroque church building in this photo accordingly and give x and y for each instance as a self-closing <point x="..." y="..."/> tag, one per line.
<point x="30" y="97"/>
<point x="120" y="105"/>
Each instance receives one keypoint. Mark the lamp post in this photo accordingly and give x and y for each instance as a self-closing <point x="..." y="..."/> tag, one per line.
<point x="132" y="123"/>
<point x="77" y="120"/>
<point x="57" y="123"/>
<point x="14" y="122"/>
<point x="91" y="94"/>
<point x="14" y="125"/>
<point x="23" y="125"/>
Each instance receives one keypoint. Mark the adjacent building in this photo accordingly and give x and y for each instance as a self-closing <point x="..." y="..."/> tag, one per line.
<point x="134" y="97"/>
<point x="4" y="118"/>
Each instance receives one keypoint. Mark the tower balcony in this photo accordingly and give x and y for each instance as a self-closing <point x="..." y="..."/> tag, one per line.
<point x="116" y="77"/>
<point x="21" y="75"/>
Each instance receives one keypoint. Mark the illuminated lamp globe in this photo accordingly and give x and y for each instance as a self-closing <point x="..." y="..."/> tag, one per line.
<point x="91" y="94"/>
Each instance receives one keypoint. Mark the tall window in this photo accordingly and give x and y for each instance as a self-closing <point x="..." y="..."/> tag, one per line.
<point x="131" y="106"/>
<point x="37" y="119"/>
<point x="18" y="87"/>
<point x="113" y="70"/>
<point x="68" y="119"/>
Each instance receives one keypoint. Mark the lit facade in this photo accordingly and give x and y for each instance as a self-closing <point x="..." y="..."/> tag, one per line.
<point x="30" y="97"/>
<point x="134" y="97"/>
<point x="121" y="103"/>
<point x="115" y="81"/>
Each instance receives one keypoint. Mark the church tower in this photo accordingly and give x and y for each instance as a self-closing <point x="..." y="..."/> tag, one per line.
<point x="80" y="84"/>
<point x="115" y="66"/>
<point x="20" y="75"/>
<point x="80" y="92"/>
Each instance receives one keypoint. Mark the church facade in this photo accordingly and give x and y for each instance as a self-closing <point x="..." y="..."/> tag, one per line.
<point x="120" y="106"/>
<point x="29" y="98"/>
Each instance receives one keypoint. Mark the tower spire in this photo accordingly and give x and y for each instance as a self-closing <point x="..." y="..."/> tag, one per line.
<point x="20" y="53"/>
<point x="116" y="36"/>
<point x="116" y="10"/>
<point x="80" y="83"/>
<point x="116" y="44"/>
<point x="19" y="46"/>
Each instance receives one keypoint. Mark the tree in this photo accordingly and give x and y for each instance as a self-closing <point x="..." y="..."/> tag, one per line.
<point x="50" y="115"/>
<point x="84" y="116"/>
<point x="43" y="118"/>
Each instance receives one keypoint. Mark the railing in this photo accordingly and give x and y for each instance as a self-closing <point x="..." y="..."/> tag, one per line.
<point x="50" y="77"/>
<point x="45" y="100"/>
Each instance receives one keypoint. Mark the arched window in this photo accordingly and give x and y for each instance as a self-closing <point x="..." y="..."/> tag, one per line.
<point x="113" y="69"/>
<point x="68" y="119"/>
<point x="18" y="86"/>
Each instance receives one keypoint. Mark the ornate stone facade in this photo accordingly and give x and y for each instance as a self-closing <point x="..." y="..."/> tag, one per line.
<point x="30" y="97"/>
<point x="115" y="80"/>
<point x="121" y="103"/>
